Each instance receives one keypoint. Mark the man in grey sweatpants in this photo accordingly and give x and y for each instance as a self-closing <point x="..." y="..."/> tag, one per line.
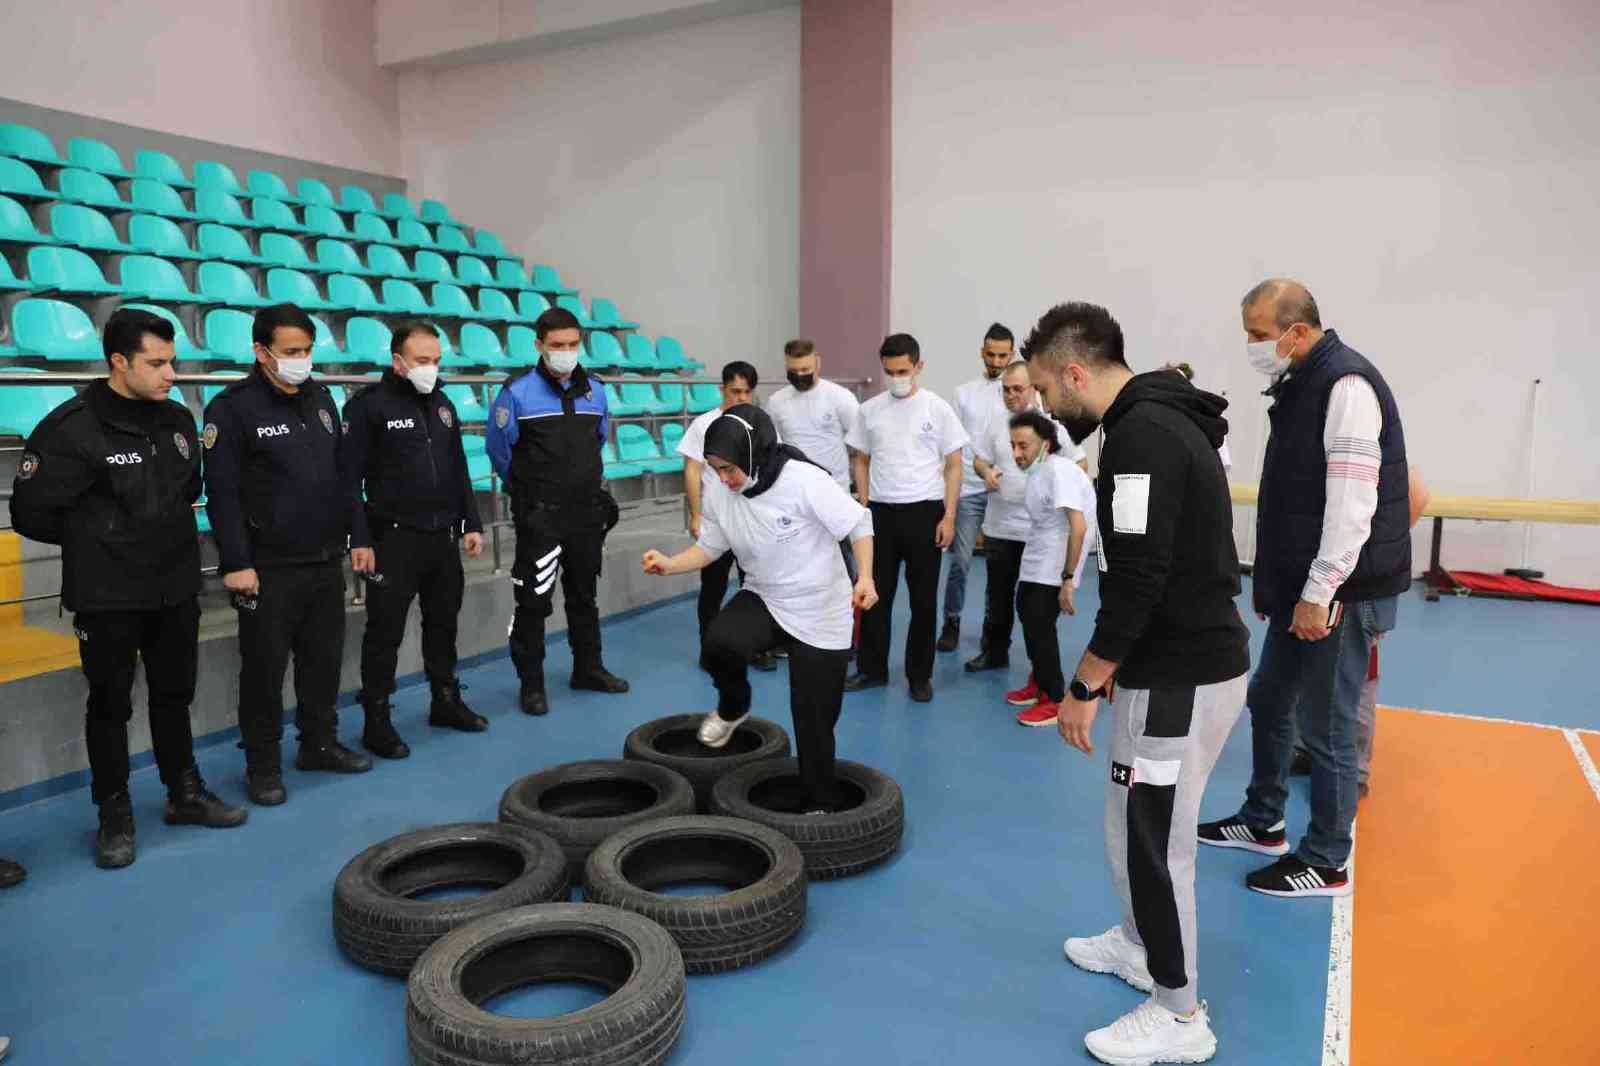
<point x="1170" y="650"/>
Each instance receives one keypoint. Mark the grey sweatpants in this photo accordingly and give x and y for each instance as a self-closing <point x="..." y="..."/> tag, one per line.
<point x="1164" y="743"/>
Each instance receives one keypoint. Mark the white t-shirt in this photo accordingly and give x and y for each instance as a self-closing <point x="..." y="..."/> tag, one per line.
<point x="908" y="440"/>
<point x="978" y="403"/>
<point x="787" y="543"/>
<point x="815" y="421"/>
<point x="1059" y="484"/>
<point x="1006" y="515"/>
<point x="693" y="446"/>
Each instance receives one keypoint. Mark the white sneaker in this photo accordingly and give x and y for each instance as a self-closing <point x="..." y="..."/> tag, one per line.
<point x="716" y="730"/>
<point x="5" y="1046"/>
<point x="1150" y="1033"/>
<point x="1111" y="952"/>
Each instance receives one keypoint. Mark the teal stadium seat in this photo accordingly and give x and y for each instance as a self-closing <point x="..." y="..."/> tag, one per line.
<point x="703" y="398"/>
<point x="452" y="239"/>
<point x="230" y="286"/>
<point x="670" y="356"/>
<point x="636" y="445"/>
<point x="355" y="294"/>
<point x="490" y="246"/>
<point x="25" y="142"/>
<point x="355" y="200"/>
<point x="21" y="182"/>
<point x="607" y="316"/>
<point x="575" y="305"/>
<point x="448" y="356"/>
<point x="450" y="301"/>
<point x="326" y="222"/>
<point x="409" y="231"/>
<point x="531" y="305"/>
<point x="271" y="214"/>
<point x="604" y="351"/>
<point x="154" y="235"/>
<point x="641" y="396"/>
<point x="479" y="345"/>
<point x="146" y="277"/>
<point x="520" y="350"/>
<point x="325" y="349"/>
<point x="674" y="398"/>
<point x="86" y="228"/>
<point x="98" y="156"/>
<point x="396" y="206"/>
<point x="468" y="406"/>
<point x="69" y="272"/>
<point x="367" y="340"/>
<point x="57" y="331"/>
<point x="496" y="305"/>
<point x="218" y="205"/>
<point x="470" y="270"/>
<point x="291" y="286"/>
<point x="641" y="353"/>
<point x="228" y="334"/>
<point x="433" y="212"/>
<point x="373" y="230"/>
<point x="228" y="244"/>
<point x="671" y="436"/>
<point x="186" y="348"/>
<point x="387" y="261"/>
<point x="209" y="174"/>
<point x="612" y="469"/>
<point x="160" y="166"/>
<point x="480" y="469"/>
<point x="337" y="257"/>
<point x="23" y="407"/>
<point x="16" y="224"/>
<point x="87" y="187"/>
<point x="431" y="266"/>
<point x="158" y="198"/>
<point x="280" y="249"/>
<point x="9" y="282"/>
<point x="266" y="183"/>
<point x="312" y="191"/>
<point x="620" y="408"/>
<point x="404" y="298"/>
<point x="546" y="280"/>
<point x="509" y="275"/>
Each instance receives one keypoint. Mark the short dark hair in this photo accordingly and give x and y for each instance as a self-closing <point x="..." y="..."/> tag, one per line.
<point x="1036" y="421"/>
<point x="739" y="369"/>
<point x="900" y="344"/>
<point x="125" y="332"/>
<point x="798" y="348"/>
<point x="270" y="319"/>
<point x="407" y="328"/>
<point x="1291" y="302"/>
<point x="998" y="332"/>
<point x="1082" y="331"/>
<point x="555" y="318"/>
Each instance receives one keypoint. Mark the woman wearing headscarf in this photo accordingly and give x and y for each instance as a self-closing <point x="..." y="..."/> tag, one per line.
<point x="782" y="516"/>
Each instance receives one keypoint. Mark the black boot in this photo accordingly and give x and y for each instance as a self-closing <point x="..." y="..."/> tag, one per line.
<point x="766" y="662"/>
<point x="378" y="735"/>
<point x="532" y="699"/>
<point x="11" y="873"/>
<point x="987" y="660"/>
<point x="950" y="637"/>
<point x="597" y="678"/>
<point x="190" y="802"/>
<point x="330" y="755"/>
<point x="449" y="711"/>
<point x="263" y="775"/>
<point x="113" y="845"/>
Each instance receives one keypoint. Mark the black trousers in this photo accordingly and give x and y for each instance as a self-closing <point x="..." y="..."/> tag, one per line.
<point x="110" y="645"/>
<point x="565" y="540"/>
<point x="903" y="533"/>
<point x="741" y="631"/>
<point x="412" y="564"/>
<point x="299" y="612"/>
<point x="713" y="590"/>
<point x="1003" y="560"/>
<point x="1039" y="606"/>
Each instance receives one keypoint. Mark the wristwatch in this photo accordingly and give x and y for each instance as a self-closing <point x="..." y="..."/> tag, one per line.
<point x="1080" y="691"/>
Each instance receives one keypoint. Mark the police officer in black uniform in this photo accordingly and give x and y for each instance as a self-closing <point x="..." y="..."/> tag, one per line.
<point x="279" y="516"/>
<point x="111" y="476"/>
<point x="402" y="441"/>
<point x="544" y="438"/>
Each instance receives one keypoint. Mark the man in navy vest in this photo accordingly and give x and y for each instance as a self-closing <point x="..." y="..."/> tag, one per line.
<point x="1333" y="553"/>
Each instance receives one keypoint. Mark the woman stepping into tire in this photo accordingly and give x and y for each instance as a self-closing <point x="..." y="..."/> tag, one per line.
<point x="783" y="521"/>
<point x="1061" y="507"/>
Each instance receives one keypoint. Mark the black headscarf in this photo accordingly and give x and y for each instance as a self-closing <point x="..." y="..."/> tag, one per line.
<point x="745" y="436"/>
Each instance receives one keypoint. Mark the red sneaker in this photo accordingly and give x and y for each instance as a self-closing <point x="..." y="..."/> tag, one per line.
<point x="1026" y="696"/>
<point x="1042" y="713"/>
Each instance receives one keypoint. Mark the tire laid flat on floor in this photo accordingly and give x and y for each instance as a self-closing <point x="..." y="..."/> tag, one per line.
<point x="763" y="868"/>
<point x="378" y="925"/>
<point x="674" y="742"/>
<point x="629" y="955"/>
<point x="579" y="804"/>
<point x="834" y="844"/>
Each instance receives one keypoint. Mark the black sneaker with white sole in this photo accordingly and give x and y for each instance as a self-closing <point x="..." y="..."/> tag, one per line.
<point x="1234" y="833"/>
<point x="1291" y="877"/>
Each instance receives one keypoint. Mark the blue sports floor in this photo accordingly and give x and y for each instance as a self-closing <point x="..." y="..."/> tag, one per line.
<point x="215" y="947"/>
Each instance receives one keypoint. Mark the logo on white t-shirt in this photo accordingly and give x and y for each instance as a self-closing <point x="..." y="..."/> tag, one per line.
<point x="927" y="427"/>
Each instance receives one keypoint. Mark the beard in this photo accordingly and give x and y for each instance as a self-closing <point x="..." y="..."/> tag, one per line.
<point x="1078" y="423"/>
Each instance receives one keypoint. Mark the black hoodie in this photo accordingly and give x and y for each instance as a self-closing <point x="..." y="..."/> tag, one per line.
<point x="1170" y="570"/>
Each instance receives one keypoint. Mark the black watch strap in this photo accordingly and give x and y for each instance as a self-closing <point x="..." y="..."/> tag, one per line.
<point x="1079" y="688"/>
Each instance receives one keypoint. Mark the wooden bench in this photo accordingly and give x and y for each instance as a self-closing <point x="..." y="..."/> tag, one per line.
<point x="1476" y="508"/>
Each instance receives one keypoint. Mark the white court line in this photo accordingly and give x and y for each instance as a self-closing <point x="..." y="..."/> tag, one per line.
<point x="1586" y="764"/>
<point x="1341" y="951"/>
<point x="1487" y="718"/>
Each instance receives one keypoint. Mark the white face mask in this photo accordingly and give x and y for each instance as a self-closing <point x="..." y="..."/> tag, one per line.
<point x="423" y="378"/>
<point x="293" y="371"/>
<point x="561" y="363"/>
<point x="900" y="388"/>
<point x="1264" y="357"/>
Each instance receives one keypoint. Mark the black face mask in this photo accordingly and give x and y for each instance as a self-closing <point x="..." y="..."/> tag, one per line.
<point x="802" y="381"/>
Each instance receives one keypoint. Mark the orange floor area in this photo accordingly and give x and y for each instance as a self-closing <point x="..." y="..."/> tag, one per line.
<point x="1474" y="938"/>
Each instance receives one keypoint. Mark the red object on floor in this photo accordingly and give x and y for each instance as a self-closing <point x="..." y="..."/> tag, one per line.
<point x="1040" y="714"/>
<point x="1025" y="696"/>
<point x="1505" y="585"/>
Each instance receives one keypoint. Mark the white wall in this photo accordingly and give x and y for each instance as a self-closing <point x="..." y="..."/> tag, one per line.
<point x="291" y="77"/>
<point x="659" y="170"/>
<point x="1430" y="173"/>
